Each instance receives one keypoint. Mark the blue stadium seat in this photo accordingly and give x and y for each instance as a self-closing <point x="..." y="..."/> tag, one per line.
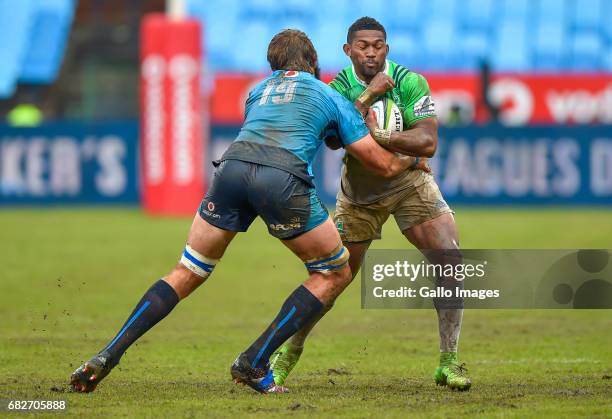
<point x="406" y="15"/>
<point x="404" y="50"/>
<point x="301" y="8"/>
<point x="262" y="9"/>
<point x="196" y="9"/>
<point x="515" y="10"/>
<point x="607" y="21"/>
<point x="551" y="10"/>
<point x="474" y="47"/>
<point x="442" y="9"/>
<point x="607" y="59"/>
<point x="328" y="39"/>
<point x="377" y="9"/>
<point x="550" y="46"/>
<point x="587" y="51"/>
<point x="219" y="34"/>
<point x="47" y="40"/>
<point x="510" y="47"/>
<point x="16" y="23"/>
<point x="586" y="14"/>
<point x="207" y="10"/>
<point x="295" y="22"/>
<point x="251" y="47"/>
<point x="219" y="20"/>
<point x="477" y="14"/>
<point x="438" y="38"/>
<point x="447" y="35"/>
<point x="337" y="9"/>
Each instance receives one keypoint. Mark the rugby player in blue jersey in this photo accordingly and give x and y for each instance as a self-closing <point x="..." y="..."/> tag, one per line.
<point x="267" y="171"/>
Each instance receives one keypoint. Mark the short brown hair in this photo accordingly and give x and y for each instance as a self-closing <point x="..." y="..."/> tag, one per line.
<point x="292" y="50"/>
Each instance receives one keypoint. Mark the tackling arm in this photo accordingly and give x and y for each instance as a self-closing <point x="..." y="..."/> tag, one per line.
<point x="376" y="159"/>
<point x="421" y="140"/>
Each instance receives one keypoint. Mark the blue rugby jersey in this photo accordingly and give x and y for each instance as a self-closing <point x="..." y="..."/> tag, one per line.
<point x="287" y="117"/>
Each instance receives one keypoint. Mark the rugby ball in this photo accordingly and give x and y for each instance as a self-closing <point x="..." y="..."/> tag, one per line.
<point x="388" y="115"/>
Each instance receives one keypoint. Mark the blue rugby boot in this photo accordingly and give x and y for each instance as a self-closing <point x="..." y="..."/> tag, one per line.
<point x="259" y="379"/>
<point x="85" y="378"/>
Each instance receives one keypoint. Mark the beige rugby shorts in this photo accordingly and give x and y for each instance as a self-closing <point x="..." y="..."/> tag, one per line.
<point x="419" y="202"/>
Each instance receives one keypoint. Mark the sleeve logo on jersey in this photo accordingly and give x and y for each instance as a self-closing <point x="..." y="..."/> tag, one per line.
<point x="424" y="107"/>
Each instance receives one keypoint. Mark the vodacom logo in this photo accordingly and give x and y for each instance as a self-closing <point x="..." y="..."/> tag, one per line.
<point x="182" y="70"/>
<point x="153" y="71"/>
<point x="515" y="100"/>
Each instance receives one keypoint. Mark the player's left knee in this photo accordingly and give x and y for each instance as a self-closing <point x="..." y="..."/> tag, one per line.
<point x="335" y="262"/>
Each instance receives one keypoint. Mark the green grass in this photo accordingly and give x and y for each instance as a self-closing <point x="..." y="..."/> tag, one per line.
<point x="70" y="278"/>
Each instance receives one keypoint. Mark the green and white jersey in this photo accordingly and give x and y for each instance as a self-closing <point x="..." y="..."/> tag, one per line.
<point x="413" y="97"/>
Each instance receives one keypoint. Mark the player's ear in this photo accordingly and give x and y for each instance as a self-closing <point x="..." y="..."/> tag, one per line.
<point x="347" y="49"/>
<point x="387" y="46"/>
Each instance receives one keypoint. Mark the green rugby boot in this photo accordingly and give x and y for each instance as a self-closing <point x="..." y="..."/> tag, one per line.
<point x="283" y="361"/>
<point x="452" y="374"/>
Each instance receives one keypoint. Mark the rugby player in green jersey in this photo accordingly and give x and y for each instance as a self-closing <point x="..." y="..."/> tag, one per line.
<point x="365" y="201"/>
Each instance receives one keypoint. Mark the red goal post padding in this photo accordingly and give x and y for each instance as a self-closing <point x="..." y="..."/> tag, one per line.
<point x="171" y="132"/>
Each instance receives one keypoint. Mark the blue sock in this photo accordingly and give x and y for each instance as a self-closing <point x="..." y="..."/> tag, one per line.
<point x="157" y="302"/>
<point x="299" y="308"/>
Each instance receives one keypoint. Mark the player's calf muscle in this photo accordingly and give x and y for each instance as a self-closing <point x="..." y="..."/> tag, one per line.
<point x="326" y="287"/>
<point x="183" y="281"/>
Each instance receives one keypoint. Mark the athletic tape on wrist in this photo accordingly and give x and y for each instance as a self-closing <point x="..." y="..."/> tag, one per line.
<point x="366" y="97"/>
<point x="382" y="136"/>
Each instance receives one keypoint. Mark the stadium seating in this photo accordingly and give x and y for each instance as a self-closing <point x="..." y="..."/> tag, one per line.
<point x="16" y="22"/>
<point x="33" y="41"/>
<point x="47" y="40"/>
<point x="513" y="35"/>
<point x="436" y="35"/>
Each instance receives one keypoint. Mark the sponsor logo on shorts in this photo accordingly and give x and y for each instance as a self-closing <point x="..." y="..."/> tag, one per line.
<point x="208" y="211"/>
<point x="285" y="227"/>
<point x="211" y="214"/>
<point x="425" y="106"/>
<point x="294" y="223"/>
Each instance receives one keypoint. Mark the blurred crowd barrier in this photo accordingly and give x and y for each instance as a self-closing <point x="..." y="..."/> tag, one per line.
<point x="98" y="164"/>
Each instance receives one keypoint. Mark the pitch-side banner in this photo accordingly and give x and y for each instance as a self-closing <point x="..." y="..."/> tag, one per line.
<point x="498" y="165"/>
<point x="469" y="278"/>
<point x="65" y="163"/>
<point x="522" y="99"/>
<point x="85" y="163"/>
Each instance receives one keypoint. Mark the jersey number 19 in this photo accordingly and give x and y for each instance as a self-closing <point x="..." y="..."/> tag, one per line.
<point x="278" y="93"/>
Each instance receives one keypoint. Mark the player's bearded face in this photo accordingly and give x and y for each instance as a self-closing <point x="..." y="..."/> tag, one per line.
<point x="368" y="52"/>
